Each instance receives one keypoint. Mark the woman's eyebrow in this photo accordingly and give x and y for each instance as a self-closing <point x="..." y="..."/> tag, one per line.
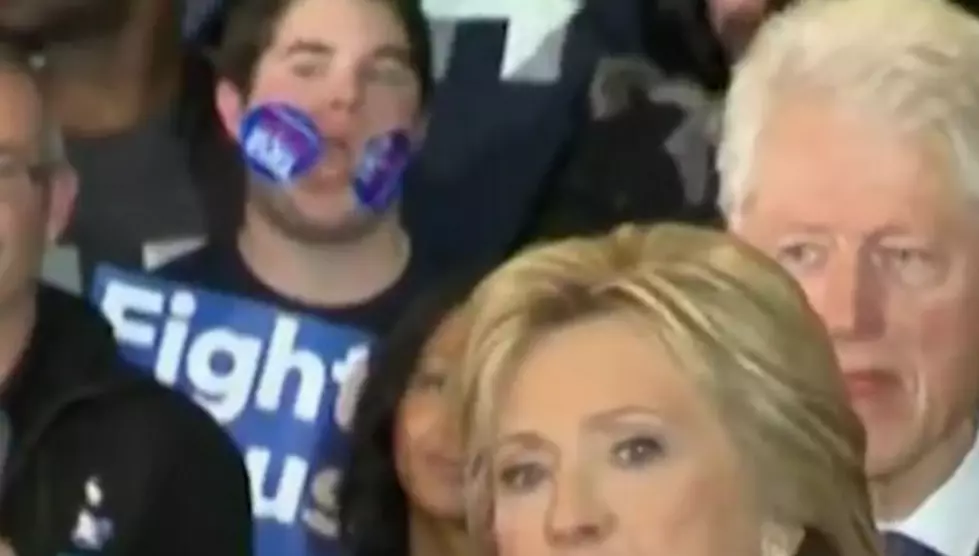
<point x="525" y="440"/>
<point x="623" y="415"/>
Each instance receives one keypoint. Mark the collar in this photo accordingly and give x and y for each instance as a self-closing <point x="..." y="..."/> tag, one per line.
<point x="946" y="521"/>
<point x="71" y="350"/>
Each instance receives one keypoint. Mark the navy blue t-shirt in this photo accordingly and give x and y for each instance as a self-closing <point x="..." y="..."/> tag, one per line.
<point x="220" y="268"/>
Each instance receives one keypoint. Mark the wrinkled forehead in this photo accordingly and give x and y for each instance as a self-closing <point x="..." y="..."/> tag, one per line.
<point x="818" y="159"/>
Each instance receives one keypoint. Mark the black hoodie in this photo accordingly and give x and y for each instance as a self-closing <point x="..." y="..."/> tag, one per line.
<point x="104" y="461"/>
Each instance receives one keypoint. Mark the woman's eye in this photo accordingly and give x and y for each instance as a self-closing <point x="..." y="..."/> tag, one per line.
<point x="637" y="451"/>
<point x="521" y="477"/>
<point x="429" y="382"/>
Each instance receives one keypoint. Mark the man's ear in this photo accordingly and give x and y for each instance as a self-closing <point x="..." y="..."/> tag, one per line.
<point x="419" y="132"/>
<point x="62" y="191"/>
<point x="230" y="105"/>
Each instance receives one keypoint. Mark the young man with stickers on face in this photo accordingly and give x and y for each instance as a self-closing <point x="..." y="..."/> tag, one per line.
<point x="327" y="109"/>
<point x="270" y="332"/>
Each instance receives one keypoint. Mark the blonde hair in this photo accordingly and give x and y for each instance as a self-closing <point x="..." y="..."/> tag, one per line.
<point x="911" y="63"/>
<point x="730" y="317"/>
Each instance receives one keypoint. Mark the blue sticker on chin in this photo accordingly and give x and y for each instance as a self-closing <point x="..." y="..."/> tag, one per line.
<point x="280" y="142"/>
<point x="377" y="182"/>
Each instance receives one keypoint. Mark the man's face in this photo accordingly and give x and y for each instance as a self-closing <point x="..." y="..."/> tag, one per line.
<point x="33" y="208"/>
<point x="62" y="21"/>
<point x="345" y="63"/>
<point x="736" y="21"/>
<point x="871" y="224"/>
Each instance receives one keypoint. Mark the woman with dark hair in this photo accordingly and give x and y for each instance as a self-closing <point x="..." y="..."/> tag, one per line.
<point x="402" y="490"/>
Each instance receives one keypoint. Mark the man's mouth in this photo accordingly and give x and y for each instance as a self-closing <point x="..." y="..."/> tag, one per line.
<point x="867" y="383"/>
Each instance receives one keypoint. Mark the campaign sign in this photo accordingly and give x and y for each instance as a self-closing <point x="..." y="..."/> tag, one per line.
<point x="282" y="384"/>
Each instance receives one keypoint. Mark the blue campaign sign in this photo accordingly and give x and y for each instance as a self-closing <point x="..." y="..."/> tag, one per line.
<point x="282" y="384"/>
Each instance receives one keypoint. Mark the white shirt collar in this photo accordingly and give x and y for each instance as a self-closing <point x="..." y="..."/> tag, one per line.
<point x="948" y="521"/>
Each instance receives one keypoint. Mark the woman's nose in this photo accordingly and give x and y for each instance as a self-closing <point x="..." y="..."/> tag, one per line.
<point x="578" y="516"/>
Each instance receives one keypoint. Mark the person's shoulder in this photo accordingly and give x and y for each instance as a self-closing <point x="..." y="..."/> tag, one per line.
<point x="166" y="410"/>
<point x="170" y="455"/>
<point x="171" y="418"/>
<point x="204" y="266"/>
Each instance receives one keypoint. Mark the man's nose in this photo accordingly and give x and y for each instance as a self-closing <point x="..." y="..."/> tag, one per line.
<point x="337" y="109"/>
<point x="577" y="515"/>
<point x="850" y="298"/>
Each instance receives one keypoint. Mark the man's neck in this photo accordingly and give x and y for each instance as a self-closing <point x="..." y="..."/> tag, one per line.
<point x="331" y="275"/>
<point x="17" y="319"/>
<point x="897" y="496"/>
<point x="109" y="85"/>
<point x="429" y="536"/>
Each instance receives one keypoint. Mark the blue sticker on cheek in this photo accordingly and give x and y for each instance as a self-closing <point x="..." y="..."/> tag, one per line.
<point x="377" y="182"/>
<point x="280" y="142"/>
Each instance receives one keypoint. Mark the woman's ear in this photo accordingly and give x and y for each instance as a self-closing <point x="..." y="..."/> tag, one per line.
<point x="779" y="539"/>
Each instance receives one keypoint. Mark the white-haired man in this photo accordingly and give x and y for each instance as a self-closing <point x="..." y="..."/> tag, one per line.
<point x="851" y="155"/>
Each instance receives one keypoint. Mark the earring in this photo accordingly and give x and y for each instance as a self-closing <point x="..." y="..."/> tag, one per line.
<point x="780" y="540"/>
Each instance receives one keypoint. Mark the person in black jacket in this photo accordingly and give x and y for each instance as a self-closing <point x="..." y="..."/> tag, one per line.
<point x="102" y="460"/>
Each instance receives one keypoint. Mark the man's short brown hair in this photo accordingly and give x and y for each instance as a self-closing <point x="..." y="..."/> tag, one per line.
<point x="252" y="24"/>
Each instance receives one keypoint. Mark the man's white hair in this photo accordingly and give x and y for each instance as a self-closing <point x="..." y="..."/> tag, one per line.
<point x="914" y="63"/>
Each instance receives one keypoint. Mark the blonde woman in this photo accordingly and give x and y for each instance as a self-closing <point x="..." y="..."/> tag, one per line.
<point x="659" y="391"/>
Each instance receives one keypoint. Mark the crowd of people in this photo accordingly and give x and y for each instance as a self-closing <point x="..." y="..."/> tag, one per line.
<point x="420" y="277"/>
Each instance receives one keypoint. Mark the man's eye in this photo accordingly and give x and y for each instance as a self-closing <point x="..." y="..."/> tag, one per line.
<point x="387" y="74"/>
<point x="307" y="69"/>
<point x="800" y="256"/>
<point x="521" y="477"/>
<point x="11" y="170"/>
<point x="911" y="266"/>
<point x="636" y="452"/>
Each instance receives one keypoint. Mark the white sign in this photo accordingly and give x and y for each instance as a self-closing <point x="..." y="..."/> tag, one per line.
<point x="530" y="23"/>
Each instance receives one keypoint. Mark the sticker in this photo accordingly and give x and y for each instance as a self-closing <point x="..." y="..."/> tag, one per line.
<point x="377" y="182"/>
<point x="280" y="142"/>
